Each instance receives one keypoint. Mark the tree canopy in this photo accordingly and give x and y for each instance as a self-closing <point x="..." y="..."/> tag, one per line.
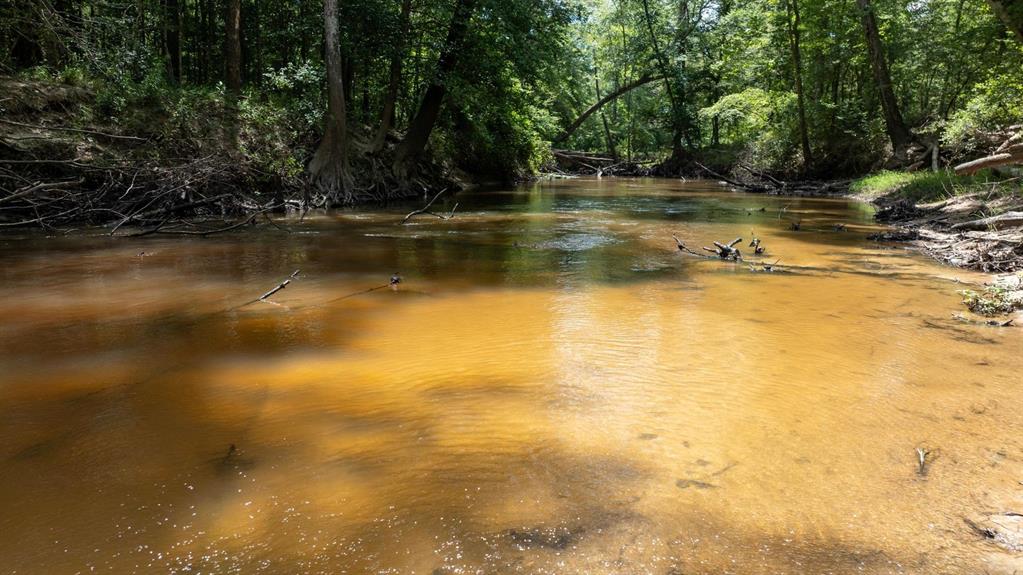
<point x="830" y="86"/>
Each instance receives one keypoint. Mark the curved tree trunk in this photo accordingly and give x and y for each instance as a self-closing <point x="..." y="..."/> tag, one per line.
<point x="422" y="124"/>
<point x="643" y="80"/>
<point x="898" y="133"/>
<point x="329" y="166"/>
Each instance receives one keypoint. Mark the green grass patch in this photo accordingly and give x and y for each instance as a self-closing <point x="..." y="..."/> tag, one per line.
<point x="926" y="186"/>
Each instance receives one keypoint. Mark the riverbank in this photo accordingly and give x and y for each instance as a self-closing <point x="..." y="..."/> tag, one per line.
<point x="973" y="222"/>
<point x="75" y="152"/>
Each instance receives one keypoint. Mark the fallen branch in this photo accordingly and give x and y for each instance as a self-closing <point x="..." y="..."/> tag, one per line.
<point x="1012" y="155"/>
<point x="732" y="182"/>
<point x="426" y="210"/>
<point x="683" y="248"/>
<point x="723" y="251"/>
<point x="280" y="286"/>
<point x="75" y="130"/>
<point x="764" y="176"/>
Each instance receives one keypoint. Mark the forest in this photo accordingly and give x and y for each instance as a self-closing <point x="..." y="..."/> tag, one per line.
<point x="544" y="287"/>
<point x="109" y="106"/>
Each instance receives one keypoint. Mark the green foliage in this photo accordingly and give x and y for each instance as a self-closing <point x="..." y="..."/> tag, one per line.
<point x="762" y="123"/>
<point x="996" y="104"/>
<point x="528" y="68"/>
<point x="992" y="301"/>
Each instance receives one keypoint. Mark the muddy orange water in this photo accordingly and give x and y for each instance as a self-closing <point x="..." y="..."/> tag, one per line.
<point x="553" y="389"/>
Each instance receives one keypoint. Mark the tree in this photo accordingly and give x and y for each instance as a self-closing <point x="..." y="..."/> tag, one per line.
<point x="233" y="46"/>
<point x="329" y="166"/>
<point x="394" y="79"/>
<point x="898" y="133"/>
<point x="793" y="22"/>
<point x="172" y="39"/>
<point x="1010" y="12"/>
<point x="429" y="109"/>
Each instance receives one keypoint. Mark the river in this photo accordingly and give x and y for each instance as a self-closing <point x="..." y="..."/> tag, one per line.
<point x="553" y="388"/>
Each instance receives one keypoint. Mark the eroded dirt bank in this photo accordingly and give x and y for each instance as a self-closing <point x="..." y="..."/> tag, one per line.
<point x="973" y="231"/>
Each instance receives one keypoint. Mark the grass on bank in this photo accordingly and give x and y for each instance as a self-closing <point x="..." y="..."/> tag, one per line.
<point x="927" y="186"/>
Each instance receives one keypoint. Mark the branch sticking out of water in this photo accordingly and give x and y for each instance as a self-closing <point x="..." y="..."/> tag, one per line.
<point x="426" y="210"/>
<point x="923" y="460"/>
<point x="280" y="286"/>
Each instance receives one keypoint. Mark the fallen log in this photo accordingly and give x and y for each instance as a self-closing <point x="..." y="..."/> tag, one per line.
<point x="1011" y="156"/>
<point x="999" y="222"/>
<point x="580" y="156"/>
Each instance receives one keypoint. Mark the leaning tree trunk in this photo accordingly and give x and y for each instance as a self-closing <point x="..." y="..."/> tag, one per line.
<point x="1010" y="12"/>
<point x="329" y="166"/>
<point x="394" y="82"/>
<point x="429" y="109"/>
<point x="642" y="81"/>
<point x="898" y="133"/>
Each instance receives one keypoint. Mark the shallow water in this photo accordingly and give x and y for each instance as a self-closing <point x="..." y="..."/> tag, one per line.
<point x="553" y="389"/>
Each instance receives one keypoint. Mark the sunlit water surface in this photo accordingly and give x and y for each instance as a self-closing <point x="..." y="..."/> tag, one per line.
<point x="553" y="389"/>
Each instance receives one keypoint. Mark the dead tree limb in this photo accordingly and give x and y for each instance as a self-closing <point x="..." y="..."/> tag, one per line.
<point x="1012" y="155"/>
<point x="683" y="248"/>
<point x="426" y="210"/>
<point x="723" y="251"/>
<point x="75" y="130"/>
<point x="764" y="176"/>
<point x="747" y="187"/>
<point x="280" y="286"/>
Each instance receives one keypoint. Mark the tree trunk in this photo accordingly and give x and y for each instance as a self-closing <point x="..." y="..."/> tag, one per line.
<point x="607" y="129"/>
<point x="1010" y="12"/>
<point x="898" y="133"/>
<point x="394" y="80"/>
<point x="643" y="80"/>
<point x="792" y="19"/>
<point x="329" y="166"/>
<point x="233" y="46"/>
<point x="678" y="153"/>
<point x="429" y="109"/>
<point x="172" y="39"/>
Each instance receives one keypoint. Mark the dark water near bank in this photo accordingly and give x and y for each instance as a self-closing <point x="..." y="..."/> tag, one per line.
<point x="553" y="389"/>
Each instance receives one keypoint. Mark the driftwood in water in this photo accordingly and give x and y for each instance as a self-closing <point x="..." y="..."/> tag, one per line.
<point x="923" y="459"/>
<point x="722" y="251"/>
<point x="426" y="210"/>
<point x="280" y="286"/>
